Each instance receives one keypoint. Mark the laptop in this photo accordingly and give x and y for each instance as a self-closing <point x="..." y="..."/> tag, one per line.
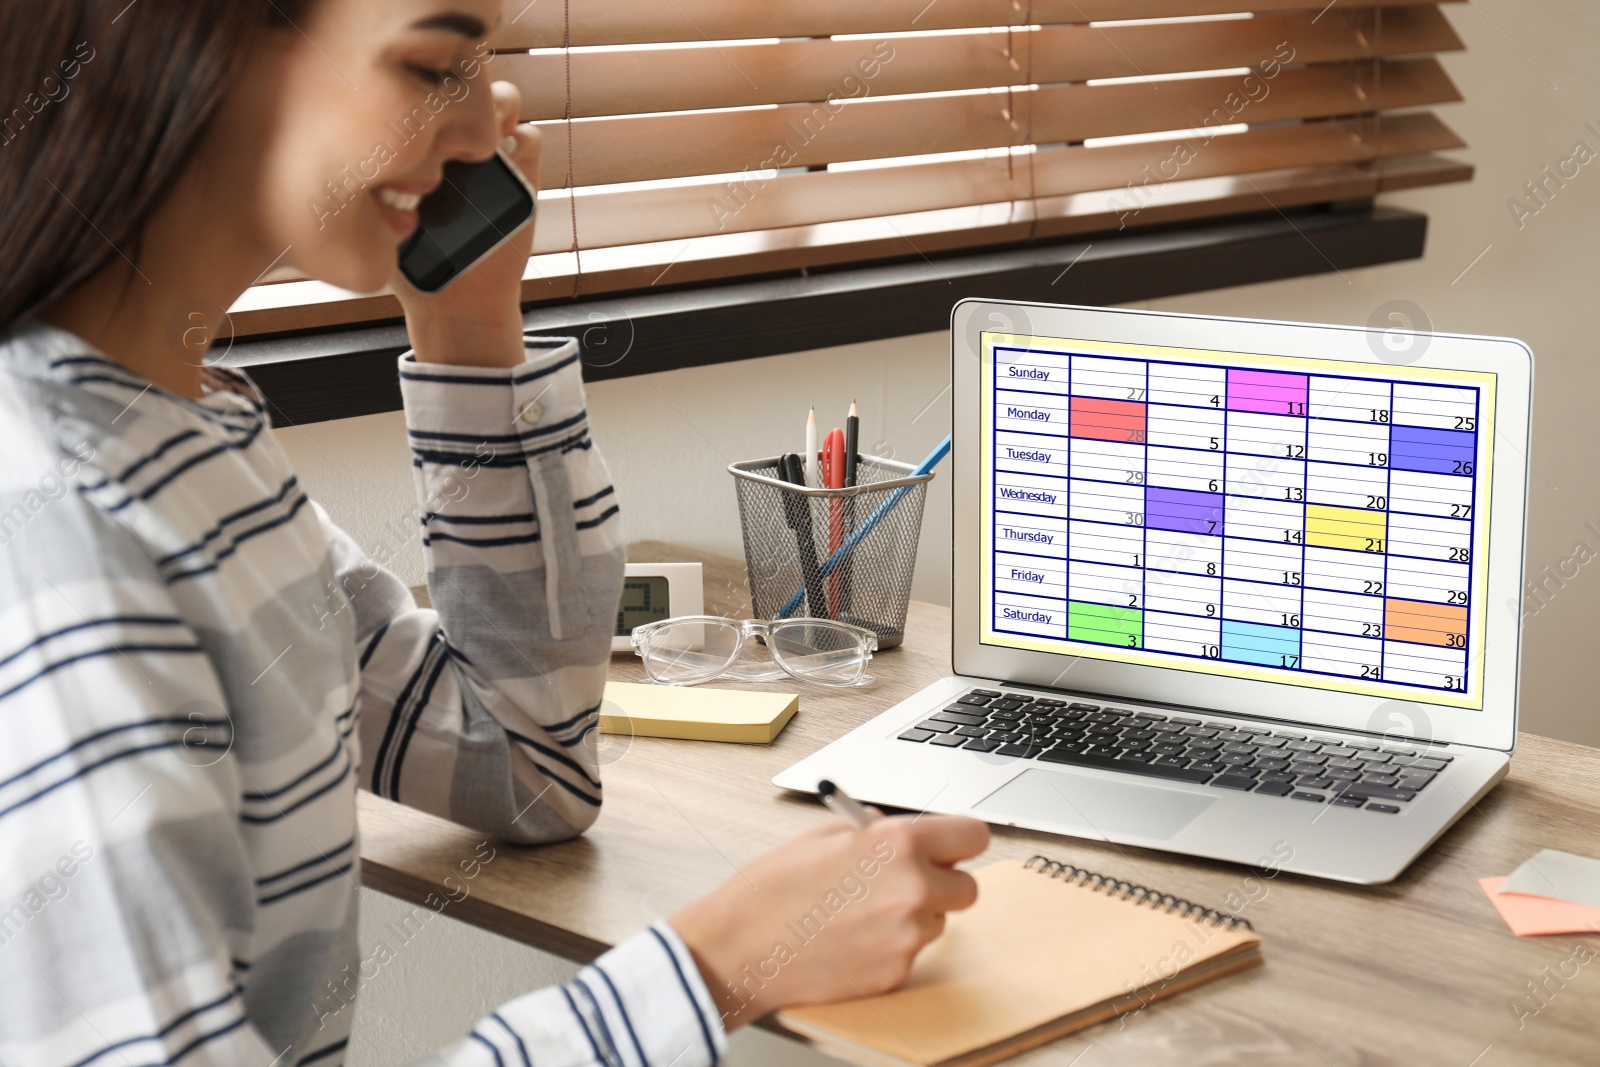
<point x="1232" y="588"/>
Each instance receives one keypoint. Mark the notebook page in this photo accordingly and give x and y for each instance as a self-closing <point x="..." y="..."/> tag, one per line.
<point x="1034" y="949"/>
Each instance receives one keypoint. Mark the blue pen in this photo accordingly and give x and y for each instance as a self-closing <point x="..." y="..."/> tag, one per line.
<point x="940" y="451"/>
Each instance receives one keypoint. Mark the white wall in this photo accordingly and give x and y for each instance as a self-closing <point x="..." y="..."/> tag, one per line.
<point x="1531" y="86"/>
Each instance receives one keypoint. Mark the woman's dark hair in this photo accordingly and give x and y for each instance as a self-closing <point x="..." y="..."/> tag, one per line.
<point x="101" y="103"/>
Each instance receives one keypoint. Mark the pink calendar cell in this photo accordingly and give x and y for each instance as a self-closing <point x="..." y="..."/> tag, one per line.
<point x="1269" y="392"/>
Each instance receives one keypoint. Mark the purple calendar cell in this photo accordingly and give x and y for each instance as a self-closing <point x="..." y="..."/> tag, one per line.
<point x="1269" y="392"/>
<point x="1183" y="511"/>
<point x="1414" y="448"/>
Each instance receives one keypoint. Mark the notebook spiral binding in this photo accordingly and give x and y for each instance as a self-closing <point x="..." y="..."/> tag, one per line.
<point x="1131" y="891"/>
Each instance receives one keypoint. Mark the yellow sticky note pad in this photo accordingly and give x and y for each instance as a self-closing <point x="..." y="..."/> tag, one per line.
<point x="695" y="713"/>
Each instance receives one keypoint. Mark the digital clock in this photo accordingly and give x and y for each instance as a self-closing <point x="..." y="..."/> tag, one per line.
<point x="655" y="591"/>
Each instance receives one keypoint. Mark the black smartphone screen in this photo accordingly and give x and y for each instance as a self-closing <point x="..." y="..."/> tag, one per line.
<point x="477" y="206"/>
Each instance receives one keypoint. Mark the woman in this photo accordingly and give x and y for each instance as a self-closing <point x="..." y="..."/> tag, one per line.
<point x="197" y="668"/>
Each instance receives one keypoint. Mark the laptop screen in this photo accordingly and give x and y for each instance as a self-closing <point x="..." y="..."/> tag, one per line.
<point x="1271" y="518"/>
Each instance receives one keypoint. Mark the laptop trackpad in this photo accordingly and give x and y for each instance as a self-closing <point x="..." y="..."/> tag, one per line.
<point x="1094" y="806"/>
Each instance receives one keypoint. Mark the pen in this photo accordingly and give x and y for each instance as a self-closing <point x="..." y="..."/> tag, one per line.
<point x="797" y="512"/>
<point x="811" y="476"/>
<point x="843" y="806"/>
<point x="852" y="434"/>
<point x="852" y="457"/>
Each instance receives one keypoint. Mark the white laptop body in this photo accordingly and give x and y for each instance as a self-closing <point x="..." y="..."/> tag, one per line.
<point x="1239" y="589"/>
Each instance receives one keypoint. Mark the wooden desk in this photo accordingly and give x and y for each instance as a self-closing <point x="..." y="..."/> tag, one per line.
<point x="1418" y="972"/>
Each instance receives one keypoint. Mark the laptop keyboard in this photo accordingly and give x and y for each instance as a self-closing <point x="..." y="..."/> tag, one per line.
<point x="1278" y="763"/>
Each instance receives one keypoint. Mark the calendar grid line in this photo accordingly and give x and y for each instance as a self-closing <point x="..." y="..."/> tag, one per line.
<point x="1388" y="489"/>
<point x="1144" y="526"/>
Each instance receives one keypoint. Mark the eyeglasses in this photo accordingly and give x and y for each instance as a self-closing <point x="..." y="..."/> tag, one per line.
<point x="697" y="648"/>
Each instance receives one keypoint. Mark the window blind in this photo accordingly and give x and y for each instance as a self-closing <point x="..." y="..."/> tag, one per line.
<point x="701" y="140"/>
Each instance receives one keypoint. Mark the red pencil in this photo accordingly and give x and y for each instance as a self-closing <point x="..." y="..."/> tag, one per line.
<point x="833" y="464"/>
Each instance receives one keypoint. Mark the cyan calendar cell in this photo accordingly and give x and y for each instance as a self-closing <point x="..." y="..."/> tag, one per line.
<point x="1269" y="646"/>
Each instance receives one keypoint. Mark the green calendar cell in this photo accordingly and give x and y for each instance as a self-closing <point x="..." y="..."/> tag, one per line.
<point x="1105" y="625"/>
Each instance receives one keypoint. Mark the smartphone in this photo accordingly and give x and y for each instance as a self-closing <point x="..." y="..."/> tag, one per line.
<point x="475" y="208"/>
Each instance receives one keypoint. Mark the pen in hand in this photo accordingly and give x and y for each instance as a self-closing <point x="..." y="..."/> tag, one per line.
<point x="841" y="804"/>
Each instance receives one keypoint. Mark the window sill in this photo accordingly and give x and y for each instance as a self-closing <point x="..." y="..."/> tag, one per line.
<point x="318" y="376"/>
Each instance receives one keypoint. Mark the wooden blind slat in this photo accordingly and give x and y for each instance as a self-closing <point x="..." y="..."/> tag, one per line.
<point x="608" y="22"/>
<point x="628" y="81"/>
<point x="681" y="212"/>
<point x="638" y="148"/>
<point x="607" y="219"/>
<point x="309" y="305"/>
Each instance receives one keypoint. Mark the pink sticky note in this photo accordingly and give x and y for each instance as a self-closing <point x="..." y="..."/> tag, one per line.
<point x="1529" y="915"/>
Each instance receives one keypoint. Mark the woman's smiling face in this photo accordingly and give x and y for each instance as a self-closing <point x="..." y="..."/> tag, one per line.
<point x="338" y="125"/>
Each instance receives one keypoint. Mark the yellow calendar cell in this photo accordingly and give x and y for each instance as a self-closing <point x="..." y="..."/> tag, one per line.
<point x="1357" y="529"/>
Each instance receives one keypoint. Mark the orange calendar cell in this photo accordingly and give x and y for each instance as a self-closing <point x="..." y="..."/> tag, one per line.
<point x="1423" y="623"/>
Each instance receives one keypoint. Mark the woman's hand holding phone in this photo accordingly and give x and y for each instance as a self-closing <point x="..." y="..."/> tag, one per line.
<point x="477" y="319"/>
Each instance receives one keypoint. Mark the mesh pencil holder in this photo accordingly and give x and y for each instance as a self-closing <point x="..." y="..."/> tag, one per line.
<point x="844" y="554"/>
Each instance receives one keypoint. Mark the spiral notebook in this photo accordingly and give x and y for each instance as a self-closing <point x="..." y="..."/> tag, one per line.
<point x="1048" y="949"/>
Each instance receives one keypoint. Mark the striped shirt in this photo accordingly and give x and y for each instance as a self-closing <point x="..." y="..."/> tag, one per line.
<point x="198" y="669"/>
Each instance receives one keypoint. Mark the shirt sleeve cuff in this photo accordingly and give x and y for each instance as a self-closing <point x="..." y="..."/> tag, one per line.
<point x="463" y="413"/>
<point x="652" y="987"/>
